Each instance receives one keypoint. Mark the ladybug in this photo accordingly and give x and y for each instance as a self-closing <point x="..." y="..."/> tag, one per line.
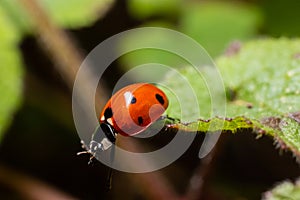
<point x="132" y="109"/>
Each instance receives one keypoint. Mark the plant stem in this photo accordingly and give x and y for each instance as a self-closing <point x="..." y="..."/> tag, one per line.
<point x="62" y="50"/>
<point x="198" y="181"/>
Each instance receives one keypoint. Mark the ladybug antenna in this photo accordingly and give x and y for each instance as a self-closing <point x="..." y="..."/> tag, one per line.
<point x="91" y="159"/>
<point x="87" y="152"/>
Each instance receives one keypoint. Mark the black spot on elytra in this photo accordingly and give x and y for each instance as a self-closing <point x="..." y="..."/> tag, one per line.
<point x="140" y="120"/>
<point x="133" y="100"/>
<point x="160" y="99"/>
<point x="108" y="113"/>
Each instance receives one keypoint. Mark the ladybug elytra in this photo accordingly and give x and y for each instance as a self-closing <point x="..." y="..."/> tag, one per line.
<point x="132" y="109"/>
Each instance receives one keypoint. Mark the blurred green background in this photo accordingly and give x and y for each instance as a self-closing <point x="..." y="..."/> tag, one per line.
<point x="37" y="134"/>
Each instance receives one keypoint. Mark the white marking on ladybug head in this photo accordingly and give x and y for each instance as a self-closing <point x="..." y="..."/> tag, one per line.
<point x="102" y="118"/>
<point x="128" y="97"/>
<point x="109" y="121"/>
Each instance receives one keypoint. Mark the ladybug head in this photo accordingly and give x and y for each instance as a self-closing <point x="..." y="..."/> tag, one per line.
<point x="109" y="131"/>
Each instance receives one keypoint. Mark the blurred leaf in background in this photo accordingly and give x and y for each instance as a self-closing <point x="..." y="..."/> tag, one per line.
<point x="215" y="24"/>
<point x="66" y="14"/>
<point x="11" y="74"/>
<point x="76" y="13"/>
<point x="281" y="18"/>
<point x="149" y="55"/>
<point x="15" y="24"/>
<point x="143" y="9"/>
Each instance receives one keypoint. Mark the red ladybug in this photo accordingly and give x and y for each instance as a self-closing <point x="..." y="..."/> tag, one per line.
<point x="129" y="111"/>
<point x="132" y="109"/>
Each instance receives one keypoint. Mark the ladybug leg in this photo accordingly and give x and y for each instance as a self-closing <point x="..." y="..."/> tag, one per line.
<point x="109" y="178"/>
<point x="91" y="159"/>
<point x="90" y="149"/>
<point x="169" y="119"/>
<point x="84" y="146"/>
<point x="94" y="146"/>
<point x="110" y="172"/>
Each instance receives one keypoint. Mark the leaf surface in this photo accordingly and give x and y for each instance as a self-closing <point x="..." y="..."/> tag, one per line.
<point x="262" y="84"/>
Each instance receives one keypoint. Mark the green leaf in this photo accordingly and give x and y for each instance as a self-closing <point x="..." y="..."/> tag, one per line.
<point x="11" y="75"/>
<point x="149" y="55"/>
<point x="279" y="17"/>
<point x="263" y="91"/>
<point x="9" y="34"/>
<point x="68" y="13"/>
<point x="284" y="191"/>
<point x="192" y="103"/>
<point x="14" y="23"/>
<point x="142" y="9"/>
<point x="264" y="73"/>
<point x="214" y="25"/>
<point x="76" y="13"/>
<point x="181" y="94"/>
